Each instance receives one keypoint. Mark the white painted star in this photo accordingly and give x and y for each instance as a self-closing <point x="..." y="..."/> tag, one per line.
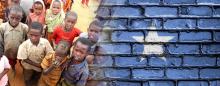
<point x="153" y="37"/>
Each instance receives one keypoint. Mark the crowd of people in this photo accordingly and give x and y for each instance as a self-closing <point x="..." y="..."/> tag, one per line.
<point x="43" y="40"/>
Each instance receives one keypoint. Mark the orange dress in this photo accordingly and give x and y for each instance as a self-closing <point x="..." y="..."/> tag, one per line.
<point x="52" y="77"/>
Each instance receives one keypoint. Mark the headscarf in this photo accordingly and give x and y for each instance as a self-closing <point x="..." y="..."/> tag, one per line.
<point x="40" y="18"/>
<point x="53" y="20"/>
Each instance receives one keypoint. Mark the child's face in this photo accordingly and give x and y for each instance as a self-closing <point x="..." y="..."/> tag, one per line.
<point x="80" y="51"/>
<point x="38" y="9"/>
<point x="59" y="55"/>
<point x="70" y="22"/>
<point x="14" y="18"/>
<point x="34" y="35"/>
<point x="93" y="33"/>
<point x="56" y="7"/>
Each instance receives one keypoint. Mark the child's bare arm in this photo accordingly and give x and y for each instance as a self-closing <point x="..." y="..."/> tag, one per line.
<point x="50" y="68"/>
<point x="32" y="63"/>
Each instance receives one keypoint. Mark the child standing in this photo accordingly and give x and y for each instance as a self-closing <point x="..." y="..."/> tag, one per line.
<point x="31" y="53"/>
<point x="12" y="3"/>
<point x="37" y="14"/>
<point x="67" y="31"/>
<point x="5" y="66"/>
<point x="54" y="16"/>
<point x="77" y="71"/>
<point x="13" y="33"/>
<point x="53" y="65"/>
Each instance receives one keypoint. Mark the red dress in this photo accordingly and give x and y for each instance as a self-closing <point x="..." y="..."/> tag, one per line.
<point x="59" y="34"/>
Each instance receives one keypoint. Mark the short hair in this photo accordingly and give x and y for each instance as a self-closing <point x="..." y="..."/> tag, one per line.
<point x="96" y="23"/>
<point x="84" y="41"/>
<point x="71" y="13"/>
<point x="16" y="8"/>
<point x="36" y="26"/>
<point x="63" y="45"/>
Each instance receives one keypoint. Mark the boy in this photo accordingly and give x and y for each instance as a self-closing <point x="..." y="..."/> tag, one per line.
<point x="13" y="33"/>
<point x="31" y="52"/>
<point x="53" y="65"/>
<point x="67" y="31"/>
<point x="77" y="72"/>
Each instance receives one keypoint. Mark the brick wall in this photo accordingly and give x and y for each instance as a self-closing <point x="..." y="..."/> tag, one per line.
<point x="161" y="42"/>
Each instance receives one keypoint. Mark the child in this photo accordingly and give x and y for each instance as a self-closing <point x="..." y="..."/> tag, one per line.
<point x="93" y="34"/>
<point x="12" y="3"/>
<point x="67" y="31"/>
<point x="13" y="33"/>
<point x="53" y="63"/>
<point x="31" y="52"/>
<point x="67" y="4"/>
<point x="77" y="72"/>
<point x="54" y="16"/>
<point x="37" y="14"/>
<point x="5" y="66"/>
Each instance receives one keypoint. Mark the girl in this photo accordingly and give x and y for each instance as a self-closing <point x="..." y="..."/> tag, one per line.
<point x="54" y="16"/>
<point x="5" y="66"/>
<point x="37" y="13"/>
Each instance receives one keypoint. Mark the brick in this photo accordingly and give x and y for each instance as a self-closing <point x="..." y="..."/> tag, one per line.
<point x="217" y="36"/>
<point x="117" y="73"/>
<point x="183" y="49"/>
<point x="160" y="11"/>
<point x="103" y="12"/>
<point x="145" y="24"/>
<point x="182" y="73"/>
<point x="159" y="83"/>
<point x="215" y="83"/>
<point x="209" y="73"/>
<point x="211" y="49"/>
<point x="144" y="2"/>
<point x="124" y="36"/>
<point x="127" y="84"/>
<point x="161" y="36"/>
<point x="180" y="24"/>
<point x="218" y="61"/>
<point x="147" y="73"/>
<point x="126" y="12"/>
<point x="164" y="61"/>
<point x="209" y="23"/>
<point x="216" y="11"/>
<point x="199" y="61"/>
<point x="148" y="49"/>
<point x="116" y="48"/>
<point x="103" y="61"/>
<point x="130" y="61"/>
<point x="116" y="24"/>
<point x="193" y="83"/>
<point x="113" y="2"/>
<point x="180" y="2"/>
<point x="195" y="36"/>
<point x="196" y="11"/>
<point x="208" y="2"/>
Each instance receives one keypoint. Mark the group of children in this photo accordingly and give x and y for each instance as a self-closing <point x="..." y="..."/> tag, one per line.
<point x="44" y="45"/>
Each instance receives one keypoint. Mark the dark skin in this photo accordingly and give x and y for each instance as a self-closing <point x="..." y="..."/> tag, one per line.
<point x="59" y="55"/>
<point x="34" y="35"/>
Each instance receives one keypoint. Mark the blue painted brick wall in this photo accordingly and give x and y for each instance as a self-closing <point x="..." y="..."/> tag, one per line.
<point x="161" y="42"/>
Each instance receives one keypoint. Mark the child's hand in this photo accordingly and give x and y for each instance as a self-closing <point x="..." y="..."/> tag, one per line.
<point x="57" y="61"/>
